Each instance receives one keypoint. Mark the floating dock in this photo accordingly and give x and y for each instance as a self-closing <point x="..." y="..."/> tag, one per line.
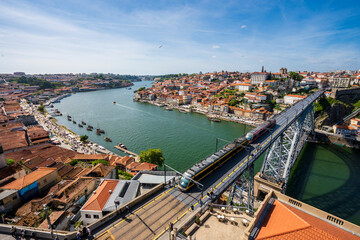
<point x="125" y="151"/>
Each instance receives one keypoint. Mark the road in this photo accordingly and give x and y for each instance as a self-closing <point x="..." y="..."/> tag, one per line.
<point x="151" y="220"/>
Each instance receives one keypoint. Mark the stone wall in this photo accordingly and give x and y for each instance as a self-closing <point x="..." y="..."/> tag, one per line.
<point x="346" y="95"/>
<point x="325" y="137"/>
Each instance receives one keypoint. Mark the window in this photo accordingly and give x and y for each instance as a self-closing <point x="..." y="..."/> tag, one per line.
<point x="87" y="216"/>
<point x="96" y="216"/>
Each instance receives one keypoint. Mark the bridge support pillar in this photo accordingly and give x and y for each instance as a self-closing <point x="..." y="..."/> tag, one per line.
<point x="263" y="186"/>
<point x="283" y="152"/>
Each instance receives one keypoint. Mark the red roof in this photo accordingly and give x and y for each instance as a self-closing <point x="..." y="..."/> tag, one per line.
<point x="284" y="222"/>
<point x="99" y="198"/>
<point x="30" y="178"/>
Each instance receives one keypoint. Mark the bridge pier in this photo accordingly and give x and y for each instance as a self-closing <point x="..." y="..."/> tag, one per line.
<point x="242" y="190"/>
<point x="263" y="186"/>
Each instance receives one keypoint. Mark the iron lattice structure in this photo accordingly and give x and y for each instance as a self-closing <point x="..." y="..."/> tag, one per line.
<point x="242" y="190"/>
<point x="282" y="154"/>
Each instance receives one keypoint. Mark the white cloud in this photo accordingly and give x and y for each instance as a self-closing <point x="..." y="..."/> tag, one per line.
<point x="213" y="56"/>
<point x="215" y="46"/>
<point x="243" y="26"/>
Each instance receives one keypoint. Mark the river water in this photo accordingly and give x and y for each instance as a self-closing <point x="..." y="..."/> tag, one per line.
<point x="326" y="176"/>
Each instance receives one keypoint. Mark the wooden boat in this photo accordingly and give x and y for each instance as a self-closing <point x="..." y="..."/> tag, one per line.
<point x="214" y="119"/>
<point x="80" y="125"/>
<point x="107" y="139"/>
<point x="122" y="146"/>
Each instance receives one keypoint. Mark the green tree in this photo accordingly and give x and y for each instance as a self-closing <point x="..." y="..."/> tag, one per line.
<point x="104" y="162"/>
<point x="125" y="175"/>
<point x="10" y="162"/>
<point x="233" y="102"/>
<point x="154" y="156"/>
<point x="296" y="76"/>
<point x="73" y="162"/>
<point x="41" y="109"/>
<point x="83" y="138"/>
<point x="140" y="89"/>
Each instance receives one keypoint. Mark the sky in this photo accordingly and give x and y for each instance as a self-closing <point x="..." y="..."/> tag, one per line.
<point x="160" y="37"/>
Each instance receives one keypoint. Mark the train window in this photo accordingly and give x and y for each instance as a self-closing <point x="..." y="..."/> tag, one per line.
<point x="184" y="181"/>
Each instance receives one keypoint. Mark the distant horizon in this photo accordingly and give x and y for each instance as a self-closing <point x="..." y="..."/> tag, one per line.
<point x="355" y="70"/>
<point x="159" y="37"/>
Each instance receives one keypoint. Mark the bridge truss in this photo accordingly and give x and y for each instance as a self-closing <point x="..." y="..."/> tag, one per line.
<point x="283" y="152"/>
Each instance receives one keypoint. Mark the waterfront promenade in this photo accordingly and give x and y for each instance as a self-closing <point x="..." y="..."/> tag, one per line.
<point x="66" y="138"/>
<point x="223" y="116"/>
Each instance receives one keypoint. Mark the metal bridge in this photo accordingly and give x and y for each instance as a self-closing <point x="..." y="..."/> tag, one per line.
<point x="281" y="145"/>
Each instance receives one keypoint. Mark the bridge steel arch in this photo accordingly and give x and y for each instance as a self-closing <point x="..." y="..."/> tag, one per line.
<point x="285" y="149"/>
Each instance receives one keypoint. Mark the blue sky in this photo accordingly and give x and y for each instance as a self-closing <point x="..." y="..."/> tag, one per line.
<point x="158" y="37"/>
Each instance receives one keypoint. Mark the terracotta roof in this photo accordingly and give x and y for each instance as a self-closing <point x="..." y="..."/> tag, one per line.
<point x="100" y="170"/>
<point x="45" y="151"/>
<point x="89" y="156"/>
<point x="132" y="165"/>
<point x="284" y="222"/>
<point x="100" y="196"/>
<point x="344" y="127"/>
<point x="29" y="178"/>
<point x="290" y="222"/>
<point x="293" y="95"/>
<point x="144" y="166"/>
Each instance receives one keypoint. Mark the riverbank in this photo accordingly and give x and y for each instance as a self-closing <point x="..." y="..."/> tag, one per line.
<point x="331" y="138"/>
<point x="187" y="108"/>
<point x="67" y="138"/>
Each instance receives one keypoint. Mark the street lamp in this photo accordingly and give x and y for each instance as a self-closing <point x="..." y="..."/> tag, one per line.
<point x="48" y="220"/>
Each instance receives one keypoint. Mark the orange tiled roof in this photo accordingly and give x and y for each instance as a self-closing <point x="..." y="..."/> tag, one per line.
<point x="287" y="223"/>
<point x="293" y="95"/>
<point x="28" y="179"/>
<point x="144" y="166"/>
<point x="290" y="222"/>
<point x="99" y="198"/>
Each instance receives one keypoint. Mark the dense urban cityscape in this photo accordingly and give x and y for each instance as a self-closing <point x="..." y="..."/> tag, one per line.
<point x="174" y="120"/>
<point x="44" y="163"/>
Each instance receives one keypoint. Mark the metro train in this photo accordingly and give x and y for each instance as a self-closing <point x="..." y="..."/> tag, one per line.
<point x="205" y="167"/>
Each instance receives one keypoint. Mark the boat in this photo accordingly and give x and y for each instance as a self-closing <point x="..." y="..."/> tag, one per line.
<point x="80" y="125"/>
<point x="97" y="133"/>
<point x="122" y="146"/>
<point x="214" y="119"/>
<point x="101" y="131"/>
<point x="107" y="139"/>
<point x="51" y="106"/>
<point x="182" y="111"/>
<point x="69" y="119"/>
<point x="74" y="121"/>
<point x="83" y="123"/>
<point x="68" y="116"/>
<point x="114" y="102"/>
<point x="89" y="128"/>
<point x="168" y="108"/>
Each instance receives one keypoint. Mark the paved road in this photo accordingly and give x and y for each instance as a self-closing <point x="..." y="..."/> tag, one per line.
<point x="150" y="221"/>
